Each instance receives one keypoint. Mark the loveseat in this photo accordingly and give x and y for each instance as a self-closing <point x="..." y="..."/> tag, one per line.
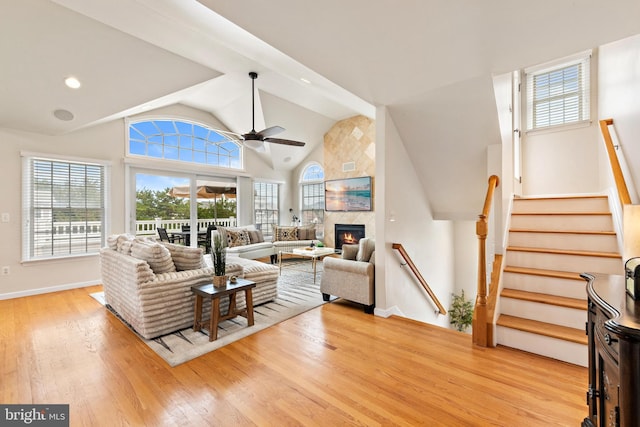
<point x="148" y="283"/>
<point x="351" y="277"/>
<point x="248" y="242"/>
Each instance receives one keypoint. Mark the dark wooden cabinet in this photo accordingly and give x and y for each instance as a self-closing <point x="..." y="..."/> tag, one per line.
<point x="614" y="353"/>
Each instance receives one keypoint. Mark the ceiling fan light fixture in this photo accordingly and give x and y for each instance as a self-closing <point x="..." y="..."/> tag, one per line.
<point x="254" y="144"/>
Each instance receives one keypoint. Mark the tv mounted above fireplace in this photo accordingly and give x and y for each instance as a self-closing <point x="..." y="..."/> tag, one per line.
<point x="349" y="194"/>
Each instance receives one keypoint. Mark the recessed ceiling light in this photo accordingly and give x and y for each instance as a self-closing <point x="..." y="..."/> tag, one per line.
<point x="305" y="80"/>
<point x="64" y="115"/>
<point x="72" y="82"/>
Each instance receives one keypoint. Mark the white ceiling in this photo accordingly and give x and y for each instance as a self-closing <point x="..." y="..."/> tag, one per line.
<point x="430" y="62"/>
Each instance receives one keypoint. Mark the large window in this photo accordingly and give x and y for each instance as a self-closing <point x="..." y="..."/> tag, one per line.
<point x="266" y="206"/>
<point x="64" y="208"/>
<point x="558" y="94"/>
<point x="312" y="197"/>
<point x="184" y="141"/>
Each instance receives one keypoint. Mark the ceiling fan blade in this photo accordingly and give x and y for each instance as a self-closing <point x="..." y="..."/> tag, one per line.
<point x="285" y="142"/>
<point x="270" y="131"/>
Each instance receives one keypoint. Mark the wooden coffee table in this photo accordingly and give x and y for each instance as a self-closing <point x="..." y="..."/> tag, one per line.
<point x="214" y="294"/>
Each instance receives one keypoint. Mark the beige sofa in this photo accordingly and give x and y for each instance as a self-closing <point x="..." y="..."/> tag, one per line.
<point x="351" y="277"/>
<point x="148" y="284"/>
<point x="248" y="242"/>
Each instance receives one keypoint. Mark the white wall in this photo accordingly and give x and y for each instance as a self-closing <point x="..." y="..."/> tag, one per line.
<point x="561" y="162"/>
<point x="465" y="243"/>
<point x="430" y="243"/>
<point x="101" y="142"/>
<point x="618" y="89"/>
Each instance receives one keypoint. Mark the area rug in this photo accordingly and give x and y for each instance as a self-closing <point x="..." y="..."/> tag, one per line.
<point x="296" y="294"/>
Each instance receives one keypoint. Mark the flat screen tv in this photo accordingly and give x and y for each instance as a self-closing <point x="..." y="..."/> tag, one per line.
<point x="349" y="194"/>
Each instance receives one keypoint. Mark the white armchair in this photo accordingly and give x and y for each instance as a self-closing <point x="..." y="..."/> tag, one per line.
<point x="352" y="276"/>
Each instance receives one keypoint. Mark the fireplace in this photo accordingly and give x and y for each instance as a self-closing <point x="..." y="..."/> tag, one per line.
<point x="348" y="234"/>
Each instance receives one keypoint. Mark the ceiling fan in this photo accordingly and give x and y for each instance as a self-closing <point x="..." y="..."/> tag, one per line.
<point x="256" y="140"/>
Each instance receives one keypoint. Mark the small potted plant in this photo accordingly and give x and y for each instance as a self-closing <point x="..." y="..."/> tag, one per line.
<point x="461" y="312"/>
<point x="218" y="256"/>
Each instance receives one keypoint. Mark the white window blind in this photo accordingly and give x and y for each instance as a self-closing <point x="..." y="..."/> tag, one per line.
<point x="559" y="94"/>
<point x="64" y="208"/>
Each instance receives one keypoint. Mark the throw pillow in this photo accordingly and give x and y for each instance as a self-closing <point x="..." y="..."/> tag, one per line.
<point x="112" y="242"/>
<point x="157" y="256"/>
<point x="255" y="236"/>
<point x="185" y="258"/>
<point x="365" y="249"/>
<point x="123" y="243"/>
<point x="237" y="238"/>
<point x="307" y="232"/>
<point x="285" y="233"/>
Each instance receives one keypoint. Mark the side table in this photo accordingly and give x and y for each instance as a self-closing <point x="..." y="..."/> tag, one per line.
<point x="214" y="294"/>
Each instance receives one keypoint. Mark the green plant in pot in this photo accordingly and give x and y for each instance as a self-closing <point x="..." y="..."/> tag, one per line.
<point x="218" y="256"/>
<point x="461" y="312"/>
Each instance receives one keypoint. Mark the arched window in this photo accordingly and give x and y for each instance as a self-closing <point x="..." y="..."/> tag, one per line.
<point x="184" y="141"/>
<point x="312" y="197"/>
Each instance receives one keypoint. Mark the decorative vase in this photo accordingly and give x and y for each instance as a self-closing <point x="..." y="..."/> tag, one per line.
<point x="220" y="281"/>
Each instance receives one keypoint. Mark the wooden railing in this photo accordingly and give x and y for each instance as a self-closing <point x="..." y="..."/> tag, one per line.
<point x="618" y="176"/>
<point x="148" y="227"/>
<point x="416" y="272"/>
<point x="482" y="229"/>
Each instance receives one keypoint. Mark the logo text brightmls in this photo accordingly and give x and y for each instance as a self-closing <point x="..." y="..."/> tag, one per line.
<point x="37" y="415"/>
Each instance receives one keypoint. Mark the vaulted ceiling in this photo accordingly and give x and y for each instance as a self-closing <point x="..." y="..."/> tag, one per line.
<point x="430" y="62"/>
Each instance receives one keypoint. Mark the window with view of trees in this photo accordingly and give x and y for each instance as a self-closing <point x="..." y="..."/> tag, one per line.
<point x="151" y="204"/>
<point x="64" y="208"/>
<point x="312" y="197"/>
<point x="184" y="141"/>
<point x="266" y="206"/>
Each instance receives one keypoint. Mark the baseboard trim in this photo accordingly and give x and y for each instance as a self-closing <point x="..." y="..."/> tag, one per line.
<point x="39" y="291"/>
<point x="386" y="312"/>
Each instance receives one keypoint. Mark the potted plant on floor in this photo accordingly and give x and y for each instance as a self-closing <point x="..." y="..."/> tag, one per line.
<point x="461" y="312"/>
<point x="218" y="256"/>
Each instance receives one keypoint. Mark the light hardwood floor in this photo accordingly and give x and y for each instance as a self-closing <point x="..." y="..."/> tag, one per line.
<point x="333" y="365"/>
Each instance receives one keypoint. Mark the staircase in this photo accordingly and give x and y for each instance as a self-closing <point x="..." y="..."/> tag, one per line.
<point x="543" y="306"/>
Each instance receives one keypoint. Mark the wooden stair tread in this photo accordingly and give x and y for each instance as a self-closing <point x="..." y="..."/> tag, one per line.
<point x="571" y="197"/>
<point x="562" y="213"/>
<point x="546" y="273"/>
<point x="587" y="232"/>
<point x="578" y="304"/>
<point x="542" y="328"/>
<point x="565" y="252"/>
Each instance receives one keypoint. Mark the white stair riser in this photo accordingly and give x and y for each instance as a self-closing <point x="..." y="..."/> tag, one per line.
<point x="566" y="241"/>
<point x="563" y="262"/>
<point x="563" y="222"/>
<point x="545" y="285"/>
<point x="546" y="346"/>
<point x="570" y="317"/>
<point x="589" y="204"/>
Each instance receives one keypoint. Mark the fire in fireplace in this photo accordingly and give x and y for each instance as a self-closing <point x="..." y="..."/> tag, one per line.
<point x="348" y="234"/>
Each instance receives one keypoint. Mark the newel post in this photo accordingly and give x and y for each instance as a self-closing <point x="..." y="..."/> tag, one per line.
<point x="479" y="330"/>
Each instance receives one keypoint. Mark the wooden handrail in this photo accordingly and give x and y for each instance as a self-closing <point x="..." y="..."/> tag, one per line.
<point x="479" y="330"/>
<point x="621" y="185"/>
<point x="416" y="272"/>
